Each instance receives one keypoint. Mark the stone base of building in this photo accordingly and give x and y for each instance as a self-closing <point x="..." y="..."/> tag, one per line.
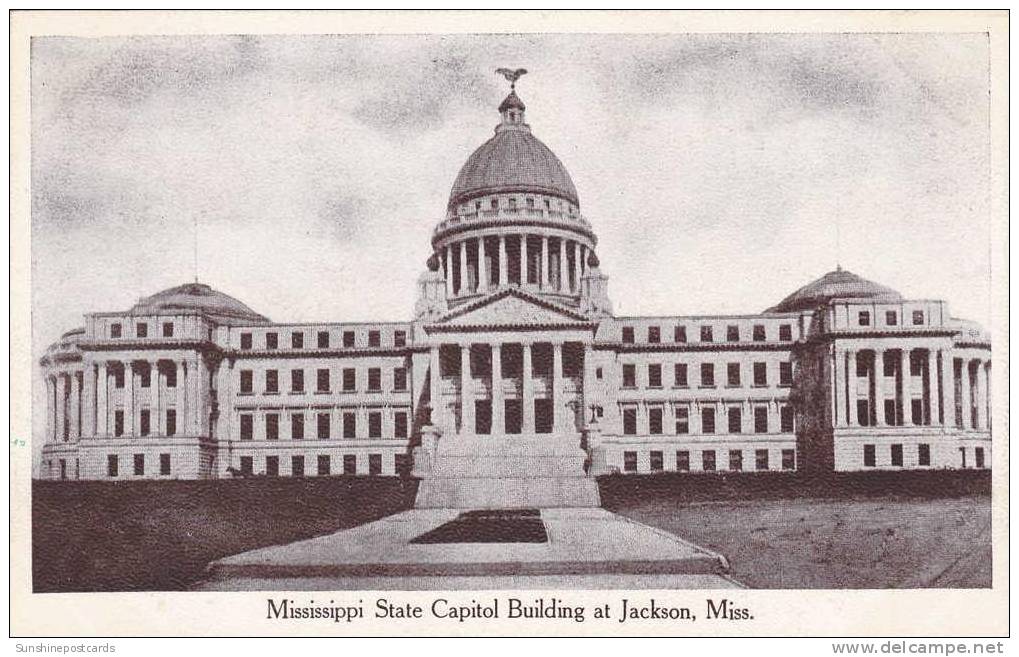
<point x="505" y="472"/>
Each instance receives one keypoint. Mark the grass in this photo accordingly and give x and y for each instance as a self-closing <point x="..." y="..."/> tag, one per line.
<point x="861" y="530"/>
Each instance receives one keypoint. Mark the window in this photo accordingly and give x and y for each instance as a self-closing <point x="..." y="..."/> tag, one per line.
<point x="322" y="380"/>
<point x="679" y="375"/>
<point x="118" y="377"/>
<point x="323" y="465"/>
<point x="247" y="426"/>
<point x="271" y="340"/>
<point x="708" y="460"/>
<point x="732" y="333"/>
<point x="735" y="420"/>
<point x="654" y="376"/>
<point x="628" y="334"/>
<point x="863" y="412"/>
<point x="683" y="460"/>
<point x="401" y="465"/>
<point x="707" y="375"/>
<point x="322" y="426"/>
<point x="629" y="461"/>
<point x="654" y="419"/>
<point x="888" y="364"/>
<point x="788" y="459"/>
<point x="164" y="464"/>
<point x="706" y="335"/>
<point x="296" y="380"/>
<point x="118" y="423"/>
<point x="167" y="329"/>
<point x="916" y="411"/>
<point x="350" y="464"/>
<point x="112" y="465"/>
<point x="374" y="338"/>
<point x="679" y="334"/>
<point x="297" y="466"/>
<point x="915" y="366"/>
<point x="629" y="375"/>
<point x="245" y="341"/>
<point x="297" y="340"/>
<point x="349" y="379"/>
<point x="891" y="318"/>
<point x="171" y="377"/>
<point x="145" y="378"/>
<point x="374" y="379"/>
<point x="115" y="332"/>
<point x="654" y="334"/>
<point x="247" y="465"/>
<point x="788" y="424"/>
<point x="142" y="330"/>
<point x="272" y="426"/>
<point x="400" y="379"/>
<point x="923" y="454"/>
<point x="732" y="375"/>
<point x="917" y="318"/>
<point x="297" y="426"/>
<point x="890" y="412"/>
<point x="399" y="338"/>
<point x="761" y="419"/>
<point x="272" y="466"/>
<point x="897" y="455"/>
<point x="400" y="425"/>
<point x="979" y="454"/>
<point x="735" y="460"/>
<point x="630" y="421"/>
<point x="512" y="201"/>
<point x="863" y="319"/>
<point x="785" y="332"/>
<point x="144" y="422"/>
<point x="761" y="459"/>
<point x="348" y="339"/>
<point x="682" y="420"/>
<point x="494" y="204"/>
<point x="785" y="373"/>
<point x="349" y="425"/>
<point x="375" y="425"/>
<point x="760" y="374"/>
<point x="272" y="382"/>
<point x="657" y="461"/>
<point x="760" y="335"/>
<point x="869" y="456"/>
<point x="171" y="422"/>
<point x="323" y="341"/>
<point x="707" y="420"/>
<point x="374" y="464"/>
<point x="246" y="381"/>
<point x="139" y="465"/>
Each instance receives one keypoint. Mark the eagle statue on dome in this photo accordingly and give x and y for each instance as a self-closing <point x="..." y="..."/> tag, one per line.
<point x="511" y="75"/>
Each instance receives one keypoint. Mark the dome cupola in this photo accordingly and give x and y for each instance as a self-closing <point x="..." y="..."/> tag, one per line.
<point x="838" y="284"/>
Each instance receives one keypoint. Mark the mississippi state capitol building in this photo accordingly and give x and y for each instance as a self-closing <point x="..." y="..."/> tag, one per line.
<point x="514" y="382"/>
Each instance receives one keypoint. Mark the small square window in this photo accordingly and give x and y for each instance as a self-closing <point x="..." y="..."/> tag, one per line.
<point x="897" y="455"/>
<point x="247" y="465"/>
<point x="628" y="334"/>
<point x="142" y="330"/>
<point x="864" y="318"/>
<point x="760" y="335"/>
<point x="869" y="456"/>
<point x="679" y="334"/>
<point x="271" y="340"/>
<point x="629" y="461"/>
<point x="654" y="334"/>
<point x="297" y="340"/>
<point x="732" y="333"/>
<point x="708" y="460"/>
<point x="761" y="459"/>
<point x="706" y="334"/>
<point x="115" y="330"/>
<point x="374" y="338"/>
<point x="657" y="460"/>
<point x="245" y="341"/>
<point x="917" y="318"/>
<point x="683" y="460"/>
<point x="167" y="329"/>
<point x="785" y="332"/>
<point x="923" y="454"/>
<point x="788" y="459"/>
<point x="323" y="339"/>
<point x="323" y="465"/>
<point x="735" y="460"/>
<point x="272" y="466"/>
<point x="348" y="339"/>
<point x="891" y="318"/>
<point x="350" y="464"/>
<point x="400" y="339"/>
<point x="297" y="466"/>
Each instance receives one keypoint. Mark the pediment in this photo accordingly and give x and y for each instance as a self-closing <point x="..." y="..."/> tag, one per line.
<point x="512" y="308"/>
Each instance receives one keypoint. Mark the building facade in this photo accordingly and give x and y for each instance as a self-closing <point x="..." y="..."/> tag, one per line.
<point x="515" y="369"/>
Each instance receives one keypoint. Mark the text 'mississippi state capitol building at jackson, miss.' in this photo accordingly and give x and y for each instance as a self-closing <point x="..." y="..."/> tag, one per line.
<point x="514" y="382"/>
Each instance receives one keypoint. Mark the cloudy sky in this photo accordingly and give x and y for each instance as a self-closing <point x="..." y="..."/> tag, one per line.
<point x="717" y="170"/>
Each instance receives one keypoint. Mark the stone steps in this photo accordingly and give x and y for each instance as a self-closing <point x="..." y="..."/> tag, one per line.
<point x="507" y="492"/>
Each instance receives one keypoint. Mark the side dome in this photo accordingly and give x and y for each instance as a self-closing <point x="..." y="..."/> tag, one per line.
<point x="838" y="284"/>
<point x="514" y="160"/>
<point x="198" y="297"/>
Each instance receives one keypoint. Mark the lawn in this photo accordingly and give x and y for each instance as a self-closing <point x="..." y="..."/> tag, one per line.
<point x="931" y="530"/>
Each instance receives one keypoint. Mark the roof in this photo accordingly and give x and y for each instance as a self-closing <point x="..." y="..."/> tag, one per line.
<point x="838" y="284"/>
<point x="198" y="297"/>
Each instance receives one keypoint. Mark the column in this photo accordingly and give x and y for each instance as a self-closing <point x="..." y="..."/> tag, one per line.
<point x="128" y="398"/>
<point x="463" y="268"/>
<point x="933" y="391"/>
<point x="558" y="408"/>
<point x="544" y="262"/>
<point x="524" y="260"/>
<point x="155" y="400"/>
<point x="577" y="260"/>
<point x="503" y="264"/>
<point x="482" y="266"/>
<point x="851" y="388"/>
<point x="51" y="409"/>
<point x="103" y="400"/>
<point x="527" y="391"/>
<point x="435" y="387"/>
<point x="466" y="385"/>
<point x="88" y="401"/>
<point x="182" y="398"/>
<point x="498" y="404"/>
<point x="907" y="386"/>
<point x="75" y="406"/>
<point x="563" y="281"/>
<point x="967" y="400"/>
<point x="448" y="263"/>
<point x="948" y="388"/>
<point x="879" y="387"/>
<point x="194" y="401"/>
<point x="61" y="406"/>
<point x="981" y="401"/>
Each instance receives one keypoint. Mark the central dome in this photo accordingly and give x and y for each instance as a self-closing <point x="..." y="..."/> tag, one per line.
<point x="513" y="160"/>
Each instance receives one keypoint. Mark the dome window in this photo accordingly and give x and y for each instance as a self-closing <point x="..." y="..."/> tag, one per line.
<point x="512" y="204"/>
<point x="548" y="204"/>
<point x="495" y="204"/>
<point x="530" y="204"/>
<point x="477" y="206"/>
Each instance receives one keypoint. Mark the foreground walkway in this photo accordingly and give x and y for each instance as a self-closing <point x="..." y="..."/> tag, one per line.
<point x="586" y="549"/>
